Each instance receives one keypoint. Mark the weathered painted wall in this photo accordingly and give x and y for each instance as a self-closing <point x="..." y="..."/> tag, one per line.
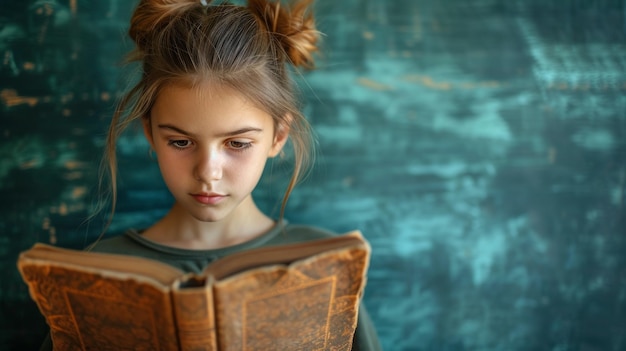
<point x="479" y="145"/>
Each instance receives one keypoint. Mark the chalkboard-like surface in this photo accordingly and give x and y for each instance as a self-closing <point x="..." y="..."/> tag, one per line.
<point x="479" y="146"/>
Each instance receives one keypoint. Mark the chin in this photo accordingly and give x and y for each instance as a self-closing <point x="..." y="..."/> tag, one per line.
<point x="203" y="217"/>
<point x="208" y="215"/>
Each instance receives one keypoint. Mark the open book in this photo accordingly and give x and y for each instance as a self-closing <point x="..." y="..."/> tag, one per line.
<point x="302" y="296"/>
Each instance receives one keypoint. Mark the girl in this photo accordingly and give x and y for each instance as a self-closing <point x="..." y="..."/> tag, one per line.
<point x="215" y="101"/>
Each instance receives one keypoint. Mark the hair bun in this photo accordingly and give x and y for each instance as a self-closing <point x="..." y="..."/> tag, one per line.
<point x="293" y="27"/>
<point x="150" y="15"/>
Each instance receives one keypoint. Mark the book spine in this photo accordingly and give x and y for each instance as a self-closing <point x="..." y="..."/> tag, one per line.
<point x="195" y="318"/>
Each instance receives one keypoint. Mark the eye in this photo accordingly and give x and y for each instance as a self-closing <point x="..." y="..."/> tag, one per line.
<point x="238" y="145"/>
<point x="179" y="144"/>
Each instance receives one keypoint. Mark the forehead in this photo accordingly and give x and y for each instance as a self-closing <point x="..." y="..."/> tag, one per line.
<point x="207" y="105"/>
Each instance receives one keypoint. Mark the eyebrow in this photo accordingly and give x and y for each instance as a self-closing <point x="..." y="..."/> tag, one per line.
<point x="226" y="134"/>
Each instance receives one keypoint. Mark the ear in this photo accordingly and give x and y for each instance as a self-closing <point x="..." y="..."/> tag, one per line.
<point x="280" y="138"/>
<point x="147" y="131"/>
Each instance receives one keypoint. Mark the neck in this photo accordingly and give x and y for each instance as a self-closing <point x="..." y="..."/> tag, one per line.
<point x="179" y="229"/>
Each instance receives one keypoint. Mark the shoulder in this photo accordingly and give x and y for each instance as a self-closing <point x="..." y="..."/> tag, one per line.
<point x="308" y="231"/>
<point x="294" y="233"/>
<point x="119" y="244"/>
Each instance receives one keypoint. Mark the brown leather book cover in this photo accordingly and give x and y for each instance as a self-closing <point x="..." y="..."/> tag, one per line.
<point x="301" y="296"/>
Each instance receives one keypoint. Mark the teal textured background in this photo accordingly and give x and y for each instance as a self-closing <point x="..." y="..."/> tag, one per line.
<point x="479" y="145"/>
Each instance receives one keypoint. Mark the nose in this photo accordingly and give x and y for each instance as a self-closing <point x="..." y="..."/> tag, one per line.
<point x="209" y="166"/>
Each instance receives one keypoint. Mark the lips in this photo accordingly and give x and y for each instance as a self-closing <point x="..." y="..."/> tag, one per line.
<point x="208" y="198"/>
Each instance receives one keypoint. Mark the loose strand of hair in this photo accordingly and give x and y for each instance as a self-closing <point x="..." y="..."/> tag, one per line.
<point x="304" y="156"/>
<point x="108" y="166"/>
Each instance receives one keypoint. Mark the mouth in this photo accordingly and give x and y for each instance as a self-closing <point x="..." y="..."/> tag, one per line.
<point x="208" y="198"/>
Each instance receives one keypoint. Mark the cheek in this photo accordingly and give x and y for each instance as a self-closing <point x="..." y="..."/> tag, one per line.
<point x="171" y="166"/>
<point x="247" y="169"/>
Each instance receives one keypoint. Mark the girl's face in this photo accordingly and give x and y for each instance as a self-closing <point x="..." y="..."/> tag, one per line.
<point x="211" y="145"/>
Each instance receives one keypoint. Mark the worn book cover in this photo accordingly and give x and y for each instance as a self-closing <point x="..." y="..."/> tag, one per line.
<point x="302" y="296"/>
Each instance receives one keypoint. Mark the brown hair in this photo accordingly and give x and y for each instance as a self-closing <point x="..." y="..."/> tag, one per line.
<point x="243" y="47"/>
